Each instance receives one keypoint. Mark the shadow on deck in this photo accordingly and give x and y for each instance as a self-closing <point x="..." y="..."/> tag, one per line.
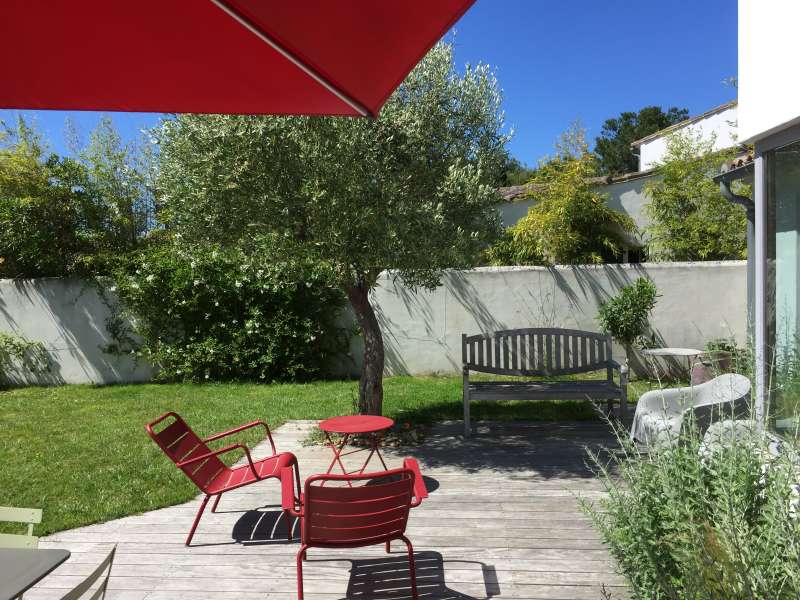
<point x="503" y="520"/>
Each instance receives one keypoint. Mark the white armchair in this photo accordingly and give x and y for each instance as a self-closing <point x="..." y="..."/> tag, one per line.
<point x="660" y="413"/>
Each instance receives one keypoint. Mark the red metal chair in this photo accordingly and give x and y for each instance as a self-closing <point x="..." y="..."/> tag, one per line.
<point x="335" y="516"/>
<point x="203" y="466"/>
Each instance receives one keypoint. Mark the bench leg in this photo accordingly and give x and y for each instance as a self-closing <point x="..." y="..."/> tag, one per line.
<point x="466" y="406"/>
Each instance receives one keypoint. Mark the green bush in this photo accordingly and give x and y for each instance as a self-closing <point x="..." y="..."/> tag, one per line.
<point x="17" y="352"/>
<point x="625" y="316"/>
<point x="685" y="524"/>
<point x="208" y="313"/>
<point x="62" y="216"/>
<point x="570" y="223"/>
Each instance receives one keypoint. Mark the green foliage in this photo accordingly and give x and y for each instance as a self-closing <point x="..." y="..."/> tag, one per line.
<point x="689" y="522"/>
<point x="690" y="218"/>
<point x="17" y="351"/>
<point x="613" y="145"/>
<point x="570" y="223"/>
<point x="625" y="316"/>
<point x="206" y="313"/>
<point x="516" y="173"/>
<point x="63" y="216"/>
<point x="412" y="190"/>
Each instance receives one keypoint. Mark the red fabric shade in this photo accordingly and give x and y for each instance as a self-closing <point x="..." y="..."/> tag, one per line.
<point x="337" y="57"/>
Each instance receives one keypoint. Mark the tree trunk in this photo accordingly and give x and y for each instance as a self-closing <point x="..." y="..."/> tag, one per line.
<point x="370" y="388"/>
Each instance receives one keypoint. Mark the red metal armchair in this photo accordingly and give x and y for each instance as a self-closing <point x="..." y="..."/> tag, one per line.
<point x="352" y="517"/>
<point x="203" y="466"/>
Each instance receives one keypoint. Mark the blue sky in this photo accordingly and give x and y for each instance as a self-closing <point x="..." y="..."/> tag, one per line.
<point x="558" y="61"/>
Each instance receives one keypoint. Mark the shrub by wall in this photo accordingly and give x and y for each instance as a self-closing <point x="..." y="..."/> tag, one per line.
<point x="214" y="314"/>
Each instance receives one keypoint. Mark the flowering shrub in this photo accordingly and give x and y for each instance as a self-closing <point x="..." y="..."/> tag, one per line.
<point x="208" y="313"/>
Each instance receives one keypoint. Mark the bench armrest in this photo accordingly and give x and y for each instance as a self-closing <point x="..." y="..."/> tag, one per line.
<point x="618" y="367"/>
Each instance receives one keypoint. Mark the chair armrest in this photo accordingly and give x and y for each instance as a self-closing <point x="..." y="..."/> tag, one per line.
<point x="288" y="500"/>
<point x="669" y="400"/>
<point x="420" y="491"/>
<point x="223" y="434"/>
<point x="207" y="455"/>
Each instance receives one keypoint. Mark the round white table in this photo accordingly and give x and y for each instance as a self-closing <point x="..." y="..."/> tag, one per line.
<point x="688" y="353"/>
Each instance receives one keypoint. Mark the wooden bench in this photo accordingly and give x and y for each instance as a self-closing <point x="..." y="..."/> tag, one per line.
<point x="541" y="353"/>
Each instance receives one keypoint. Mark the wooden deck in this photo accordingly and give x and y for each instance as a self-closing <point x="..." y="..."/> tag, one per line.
<point x="502" y="521"/>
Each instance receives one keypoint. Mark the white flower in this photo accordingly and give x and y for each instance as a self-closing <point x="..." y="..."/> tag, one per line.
<point x="216" y="303"/>
<point x="196" y="282"/>
<point x="150" y="278"/>
<point x="238" y="284"/>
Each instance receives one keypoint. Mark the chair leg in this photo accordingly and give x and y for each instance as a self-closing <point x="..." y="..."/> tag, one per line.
<point x="288" y="517"/>
<point x="197" y="519"/>
<point x="411" y="568"/>
<point x="301" y="555"/>
<point x="216" y="503"/>
<point x="388" y="547"/>
<point x="296" y="469"/>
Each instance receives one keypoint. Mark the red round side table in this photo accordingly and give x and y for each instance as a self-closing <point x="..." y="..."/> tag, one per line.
<point x="370" y="425"/>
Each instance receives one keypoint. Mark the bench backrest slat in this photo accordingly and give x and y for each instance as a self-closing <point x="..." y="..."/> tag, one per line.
<point x="536" y="352"/>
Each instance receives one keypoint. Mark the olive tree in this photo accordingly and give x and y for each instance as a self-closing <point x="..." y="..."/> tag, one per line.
<point x="412" y="191"/>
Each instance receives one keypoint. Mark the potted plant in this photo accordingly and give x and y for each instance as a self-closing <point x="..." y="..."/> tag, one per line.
<point x="626" y="315"/>
<point x="720" y="353"/>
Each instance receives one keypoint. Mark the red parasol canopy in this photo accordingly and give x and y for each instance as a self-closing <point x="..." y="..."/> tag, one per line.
<point x="337" y="57"/>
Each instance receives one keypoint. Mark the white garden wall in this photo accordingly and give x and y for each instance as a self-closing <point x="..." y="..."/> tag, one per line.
<point x="422" y="331"/>
<point x="69" y="317"/>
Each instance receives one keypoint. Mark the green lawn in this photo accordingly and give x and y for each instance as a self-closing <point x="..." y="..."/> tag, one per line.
<point x="81" y="452"/>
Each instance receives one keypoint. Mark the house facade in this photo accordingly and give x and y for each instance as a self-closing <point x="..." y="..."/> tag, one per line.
<point x="718" y="125"/>
<point x="769" y="119"/>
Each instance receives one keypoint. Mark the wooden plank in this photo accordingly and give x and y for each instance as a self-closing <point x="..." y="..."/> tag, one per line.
<point x="575" y="354"/>
<point x="540" y="358"/>
<point x="557" y="352"/>
<point x="513" y="341"/>
<point x="548" y="356"/>
<point x="584" y="351"/>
